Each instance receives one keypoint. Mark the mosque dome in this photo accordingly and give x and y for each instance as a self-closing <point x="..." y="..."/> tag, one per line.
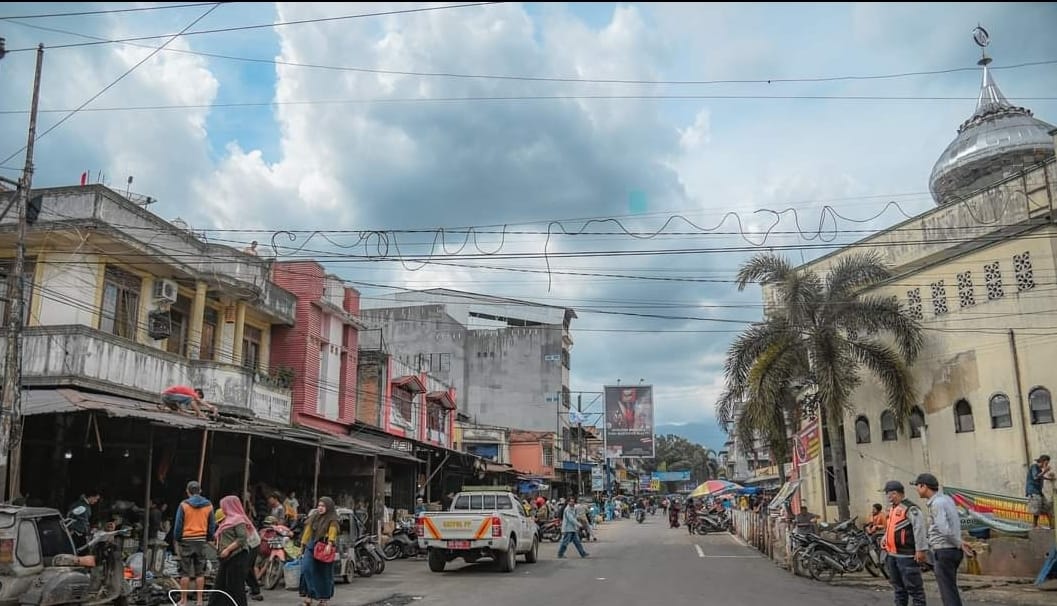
<point x="998" y="141"/>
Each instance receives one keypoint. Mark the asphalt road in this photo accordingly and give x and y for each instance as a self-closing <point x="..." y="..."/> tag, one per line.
<point x="631" y="564"/>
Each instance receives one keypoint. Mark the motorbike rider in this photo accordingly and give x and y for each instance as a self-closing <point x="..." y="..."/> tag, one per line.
<point x="80" y="515"/>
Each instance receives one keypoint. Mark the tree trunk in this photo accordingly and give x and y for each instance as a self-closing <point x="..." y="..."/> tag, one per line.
<point x="839" y="456"/>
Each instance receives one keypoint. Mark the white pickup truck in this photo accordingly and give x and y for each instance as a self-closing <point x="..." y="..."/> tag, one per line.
<point x="486" y="524"/>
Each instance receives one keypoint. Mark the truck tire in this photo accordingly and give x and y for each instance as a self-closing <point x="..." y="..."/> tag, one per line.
<point x="508" y="559"/>
<point x="436" y="560"/>
<point x="533" y="555"/>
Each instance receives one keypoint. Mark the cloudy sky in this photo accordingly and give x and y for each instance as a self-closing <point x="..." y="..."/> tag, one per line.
<point x="521" y="118"/>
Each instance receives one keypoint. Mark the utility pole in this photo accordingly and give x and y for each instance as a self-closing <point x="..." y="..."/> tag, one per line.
<point x="579" y="443"/>
<point x="11" y="423"/>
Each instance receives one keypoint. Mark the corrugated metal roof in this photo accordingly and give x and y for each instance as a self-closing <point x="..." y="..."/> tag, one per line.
<point x="52" y="401"/>
<point x="57" y="401"/>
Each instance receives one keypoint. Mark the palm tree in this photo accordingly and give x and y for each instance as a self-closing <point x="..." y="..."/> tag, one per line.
<point x="822" y="333"/>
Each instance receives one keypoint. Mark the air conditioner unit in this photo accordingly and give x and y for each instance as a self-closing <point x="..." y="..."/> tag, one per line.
<point x="165" y="290"/>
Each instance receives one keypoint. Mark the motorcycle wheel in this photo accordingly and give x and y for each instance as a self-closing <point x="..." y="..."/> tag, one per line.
<point x="819" y="569"/>
<point x="553" y="536"/>
<point x="798" y="562"/>
<point x="393" y="550"/>
<point x="379" y="561"/>
<point x="273" y="574"/>
<point x="364" y="565"/>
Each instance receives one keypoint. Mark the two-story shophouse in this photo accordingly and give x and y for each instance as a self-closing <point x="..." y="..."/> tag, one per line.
<point x="122" y="304"/>
<point x="320" y="351"/>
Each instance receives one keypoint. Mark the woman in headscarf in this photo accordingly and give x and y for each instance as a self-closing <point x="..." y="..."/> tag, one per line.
<point x="232" y="536"/>
<point x="317" y="578"/>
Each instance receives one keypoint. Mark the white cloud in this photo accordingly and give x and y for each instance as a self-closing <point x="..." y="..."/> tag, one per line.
<point x="693" y="137"/>
<point x="345" y="165"/>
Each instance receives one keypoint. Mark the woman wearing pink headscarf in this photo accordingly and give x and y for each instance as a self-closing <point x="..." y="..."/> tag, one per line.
<point x="233" y="552"/>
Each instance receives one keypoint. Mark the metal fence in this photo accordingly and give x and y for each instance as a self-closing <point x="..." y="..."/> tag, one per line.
<point x="767" y="534"/>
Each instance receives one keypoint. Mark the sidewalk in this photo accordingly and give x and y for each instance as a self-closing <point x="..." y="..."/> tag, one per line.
<point x="1001" y="590"/>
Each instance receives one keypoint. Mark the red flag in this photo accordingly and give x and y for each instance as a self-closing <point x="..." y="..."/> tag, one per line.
<point x="84" y="178"/>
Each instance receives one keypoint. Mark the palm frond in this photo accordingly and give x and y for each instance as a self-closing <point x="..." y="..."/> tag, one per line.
<point x="752" y="344"/>
<point x="767" y="268"/>
<point x="880" y="314"/>
<point x="853" y="272"/>
<point x="888" y="366"/>
<point x="834" y="369"/>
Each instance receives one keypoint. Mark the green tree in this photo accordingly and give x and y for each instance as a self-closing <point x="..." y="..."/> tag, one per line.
<point x="817" y="338"/>
<point x="676" y="453"/>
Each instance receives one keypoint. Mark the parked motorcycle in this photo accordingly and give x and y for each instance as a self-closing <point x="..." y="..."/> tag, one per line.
<point x="851" y="554"/>
<point x="404" y="542"/>
<point x="277" y="547"/>
<point x="712" y="522"/>
<point x="551" y="530"/>
<point x="95" y="577"/>
<point x="369" y="558"/>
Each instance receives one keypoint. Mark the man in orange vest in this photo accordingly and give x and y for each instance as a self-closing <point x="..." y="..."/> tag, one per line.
<point x="905" y="540"/>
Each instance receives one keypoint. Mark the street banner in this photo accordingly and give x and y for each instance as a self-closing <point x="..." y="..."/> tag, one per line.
<point x="629" y="421"/>
<point x="671" y="476"/>
<point x="644" y="482"/>
<point x="655" y="485"/>
<point x="808" y="443"/>
<point x="598" y="482"/>
<point x="999" y="512"/>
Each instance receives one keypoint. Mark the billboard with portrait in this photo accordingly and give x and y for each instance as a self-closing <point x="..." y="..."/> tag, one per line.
<point x="629" y="421"/>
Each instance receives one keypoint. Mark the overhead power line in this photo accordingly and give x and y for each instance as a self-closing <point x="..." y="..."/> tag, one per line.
<point x="543" y="78"/>
<point x="499" y="98"/>
<point x="240" y="28"/>
<point x="71" y="113"/>
<point x="109" y="11"/>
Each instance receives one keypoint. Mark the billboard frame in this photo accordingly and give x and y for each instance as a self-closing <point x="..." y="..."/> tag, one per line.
<point x="612" y="397"/>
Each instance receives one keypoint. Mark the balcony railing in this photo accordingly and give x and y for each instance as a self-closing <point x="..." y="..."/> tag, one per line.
<point x="144" y="234"/>
<point x="84" y="357"/>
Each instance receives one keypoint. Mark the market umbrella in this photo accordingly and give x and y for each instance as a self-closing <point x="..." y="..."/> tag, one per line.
<point x="711" y="487"/>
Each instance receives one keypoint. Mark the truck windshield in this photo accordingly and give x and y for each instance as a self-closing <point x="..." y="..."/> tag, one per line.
<point x="482" y="502"/>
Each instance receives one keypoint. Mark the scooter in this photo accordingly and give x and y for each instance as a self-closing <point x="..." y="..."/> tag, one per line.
<point x="274" y="552"/>
<point x="404" y="542"/>
<point x="95" y="577"/>
<point x="640" y="515"/>
<point x="551" y="530"/>
<point x="369" y="559"/>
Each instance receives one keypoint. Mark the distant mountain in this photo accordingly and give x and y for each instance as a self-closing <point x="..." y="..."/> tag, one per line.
<point x="707" y="434"/>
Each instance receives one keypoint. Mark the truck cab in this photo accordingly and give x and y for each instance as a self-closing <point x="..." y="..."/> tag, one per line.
<point x="480" y="524"/>
<point x="30" y="538"/>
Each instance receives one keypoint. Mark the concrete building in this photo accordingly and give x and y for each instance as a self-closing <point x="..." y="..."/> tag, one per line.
<point x="508" y="360"/>
<point x="321" y="350"/>
<point x="122" y="302"/>
<point x="485" y="441"/>
<point x="746" y="464"/>
<point x="533" y="453"/>
<point x="978" y="272"/>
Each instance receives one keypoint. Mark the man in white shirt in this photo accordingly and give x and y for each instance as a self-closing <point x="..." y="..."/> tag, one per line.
<point x="944" y="536"/>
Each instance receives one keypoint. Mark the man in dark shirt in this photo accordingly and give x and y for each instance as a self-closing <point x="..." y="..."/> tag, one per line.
<point x="81" y="515"/>
<point x="1038" y="504"/>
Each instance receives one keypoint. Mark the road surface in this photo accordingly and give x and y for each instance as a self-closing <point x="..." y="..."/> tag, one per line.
<point x="632" y="564"/>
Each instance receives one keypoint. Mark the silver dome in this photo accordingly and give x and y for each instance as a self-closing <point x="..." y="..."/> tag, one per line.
<point x="998" y="141"/>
